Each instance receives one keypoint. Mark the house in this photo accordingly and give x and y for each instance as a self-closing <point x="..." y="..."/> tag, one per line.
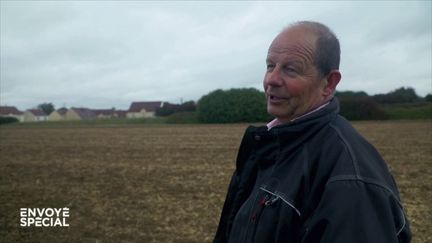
<point x="58" y="115"/>
<point x="104" y="113"/>
<point x="120" y="113"/>
<point x="11" y="111"/>
<point x="79" y="114"/>
<point x="35" y="115"/>
<point x="109" y="113"/>
<point x="143" y="109"/>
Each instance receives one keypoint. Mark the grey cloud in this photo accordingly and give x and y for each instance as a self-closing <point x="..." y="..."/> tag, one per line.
<point x="109" y="53"/>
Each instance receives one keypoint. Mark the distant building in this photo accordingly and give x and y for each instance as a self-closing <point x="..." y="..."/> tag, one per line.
<point x="109" y="113"/>
<point x="120" y="113"/>
<point x="58" y="115"/>
<point x="35" y="115"/>
<point x="143" y="109"/>
<point x="105" y="113"/>
<point x="11" y="111"/>
<point x="79" y="114"/>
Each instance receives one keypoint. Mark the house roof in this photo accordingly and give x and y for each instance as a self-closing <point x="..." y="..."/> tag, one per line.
<point x="7" y="110"/>
<point x="84" y="113"/>
<point x="121" y="113"/>
<point x="37" y="112"/>
<point x="62" y="110"/>
<point x="148" y="106"/>
<point x="105" y="112"/>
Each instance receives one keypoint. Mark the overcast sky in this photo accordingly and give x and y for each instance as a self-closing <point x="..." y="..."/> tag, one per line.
<point x="103" y="54"/>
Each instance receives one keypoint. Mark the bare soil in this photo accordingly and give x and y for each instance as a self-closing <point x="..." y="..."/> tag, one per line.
<point x="163" y="183"/>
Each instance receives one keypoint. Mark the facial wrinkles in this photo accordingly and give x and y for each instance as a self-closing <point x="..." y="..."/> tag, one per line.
<point x="299" y="63"/>
<point x="296" y="60"/>
<point x="299" y="105"/>
<point x="297" y="51"/>
<point x="304" y="49"/>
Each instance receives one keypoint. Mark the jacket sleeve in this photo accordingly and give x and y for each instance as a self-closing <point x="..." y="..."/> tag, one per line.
<point x="239" y="188"/>
<point x="354" y="210"/>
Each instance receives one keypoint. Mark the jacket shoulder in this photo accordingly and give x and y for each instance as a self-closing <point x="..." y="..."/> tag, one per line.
<point x="354" y="156"/>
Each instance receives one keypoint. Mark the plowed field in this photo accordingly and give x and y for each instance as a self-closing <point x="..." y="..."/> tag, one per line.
<point x="162" y="183"/>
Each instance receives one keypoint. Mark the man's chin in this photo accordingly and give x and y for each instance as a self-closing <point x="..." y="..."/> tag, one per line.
<point x="277" y="113"/>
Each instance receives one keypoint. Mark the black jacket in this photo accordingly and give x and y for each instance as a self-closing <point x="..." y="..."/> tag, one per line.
<point x="315" y="179"/>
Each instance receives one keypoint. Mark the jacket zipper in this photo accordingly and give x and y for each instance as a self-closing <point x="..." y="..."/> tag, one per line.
<point x="264" y="202"/>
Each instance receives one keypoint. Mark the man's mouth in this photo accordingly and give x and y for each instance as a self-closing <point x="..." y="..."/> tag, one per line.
<point x="276" y="98"/>
<point x="272" y="97"/>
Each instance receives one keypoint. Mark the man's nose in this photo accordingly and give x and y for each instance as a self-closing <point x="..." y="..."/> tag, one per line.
<point x="273" y="77"/>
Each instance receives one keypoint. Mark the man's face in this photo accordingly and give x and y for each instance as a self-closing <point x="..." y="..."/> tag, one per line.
<point x="292" y="83"/>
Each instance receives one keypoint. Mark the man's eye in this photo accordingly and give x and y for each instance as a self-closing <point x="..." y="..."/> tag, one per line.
<point x="270" y="66"/>
<point x="290" y="69"/>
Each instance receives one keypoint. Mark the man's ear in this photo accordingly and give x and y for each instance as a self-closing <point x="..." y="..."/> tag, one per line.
<point x="332" y="79"/>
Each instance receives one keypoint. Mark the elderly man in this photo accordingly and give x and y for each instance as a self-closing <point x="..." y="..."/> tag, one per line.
<point x="309" y="176"/>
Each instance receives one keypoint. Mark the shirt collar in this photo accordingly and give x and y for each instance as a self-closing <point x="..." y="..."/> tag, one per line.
<point x="276" y="122"/>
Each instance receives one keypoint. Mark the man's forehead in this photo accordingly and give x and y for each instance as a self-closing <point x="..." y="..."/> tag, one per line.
<point x="295" y="36"/>
<point x="294" y="43"/>
<point x="292" y="57"/>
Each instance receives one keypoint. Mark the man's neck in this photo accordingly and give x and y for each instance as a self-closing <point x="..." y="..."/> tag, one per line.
<point x="276" y="121"/>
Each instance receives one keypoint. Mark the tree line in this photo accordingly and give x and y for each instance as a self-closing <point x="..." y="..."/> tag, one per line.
<point x="249" y="105"/>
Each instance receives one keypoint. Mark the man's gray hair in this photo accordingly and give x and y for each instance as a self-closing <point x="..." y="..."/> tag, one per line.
<point x="327" y="48"/>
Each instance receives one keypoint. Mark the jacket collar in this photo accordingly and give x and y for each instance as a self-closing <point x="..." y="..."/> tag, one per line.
<point x="289" y="135"/>
<point x="276" y="121"/>
<point x="332" y="107"/>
